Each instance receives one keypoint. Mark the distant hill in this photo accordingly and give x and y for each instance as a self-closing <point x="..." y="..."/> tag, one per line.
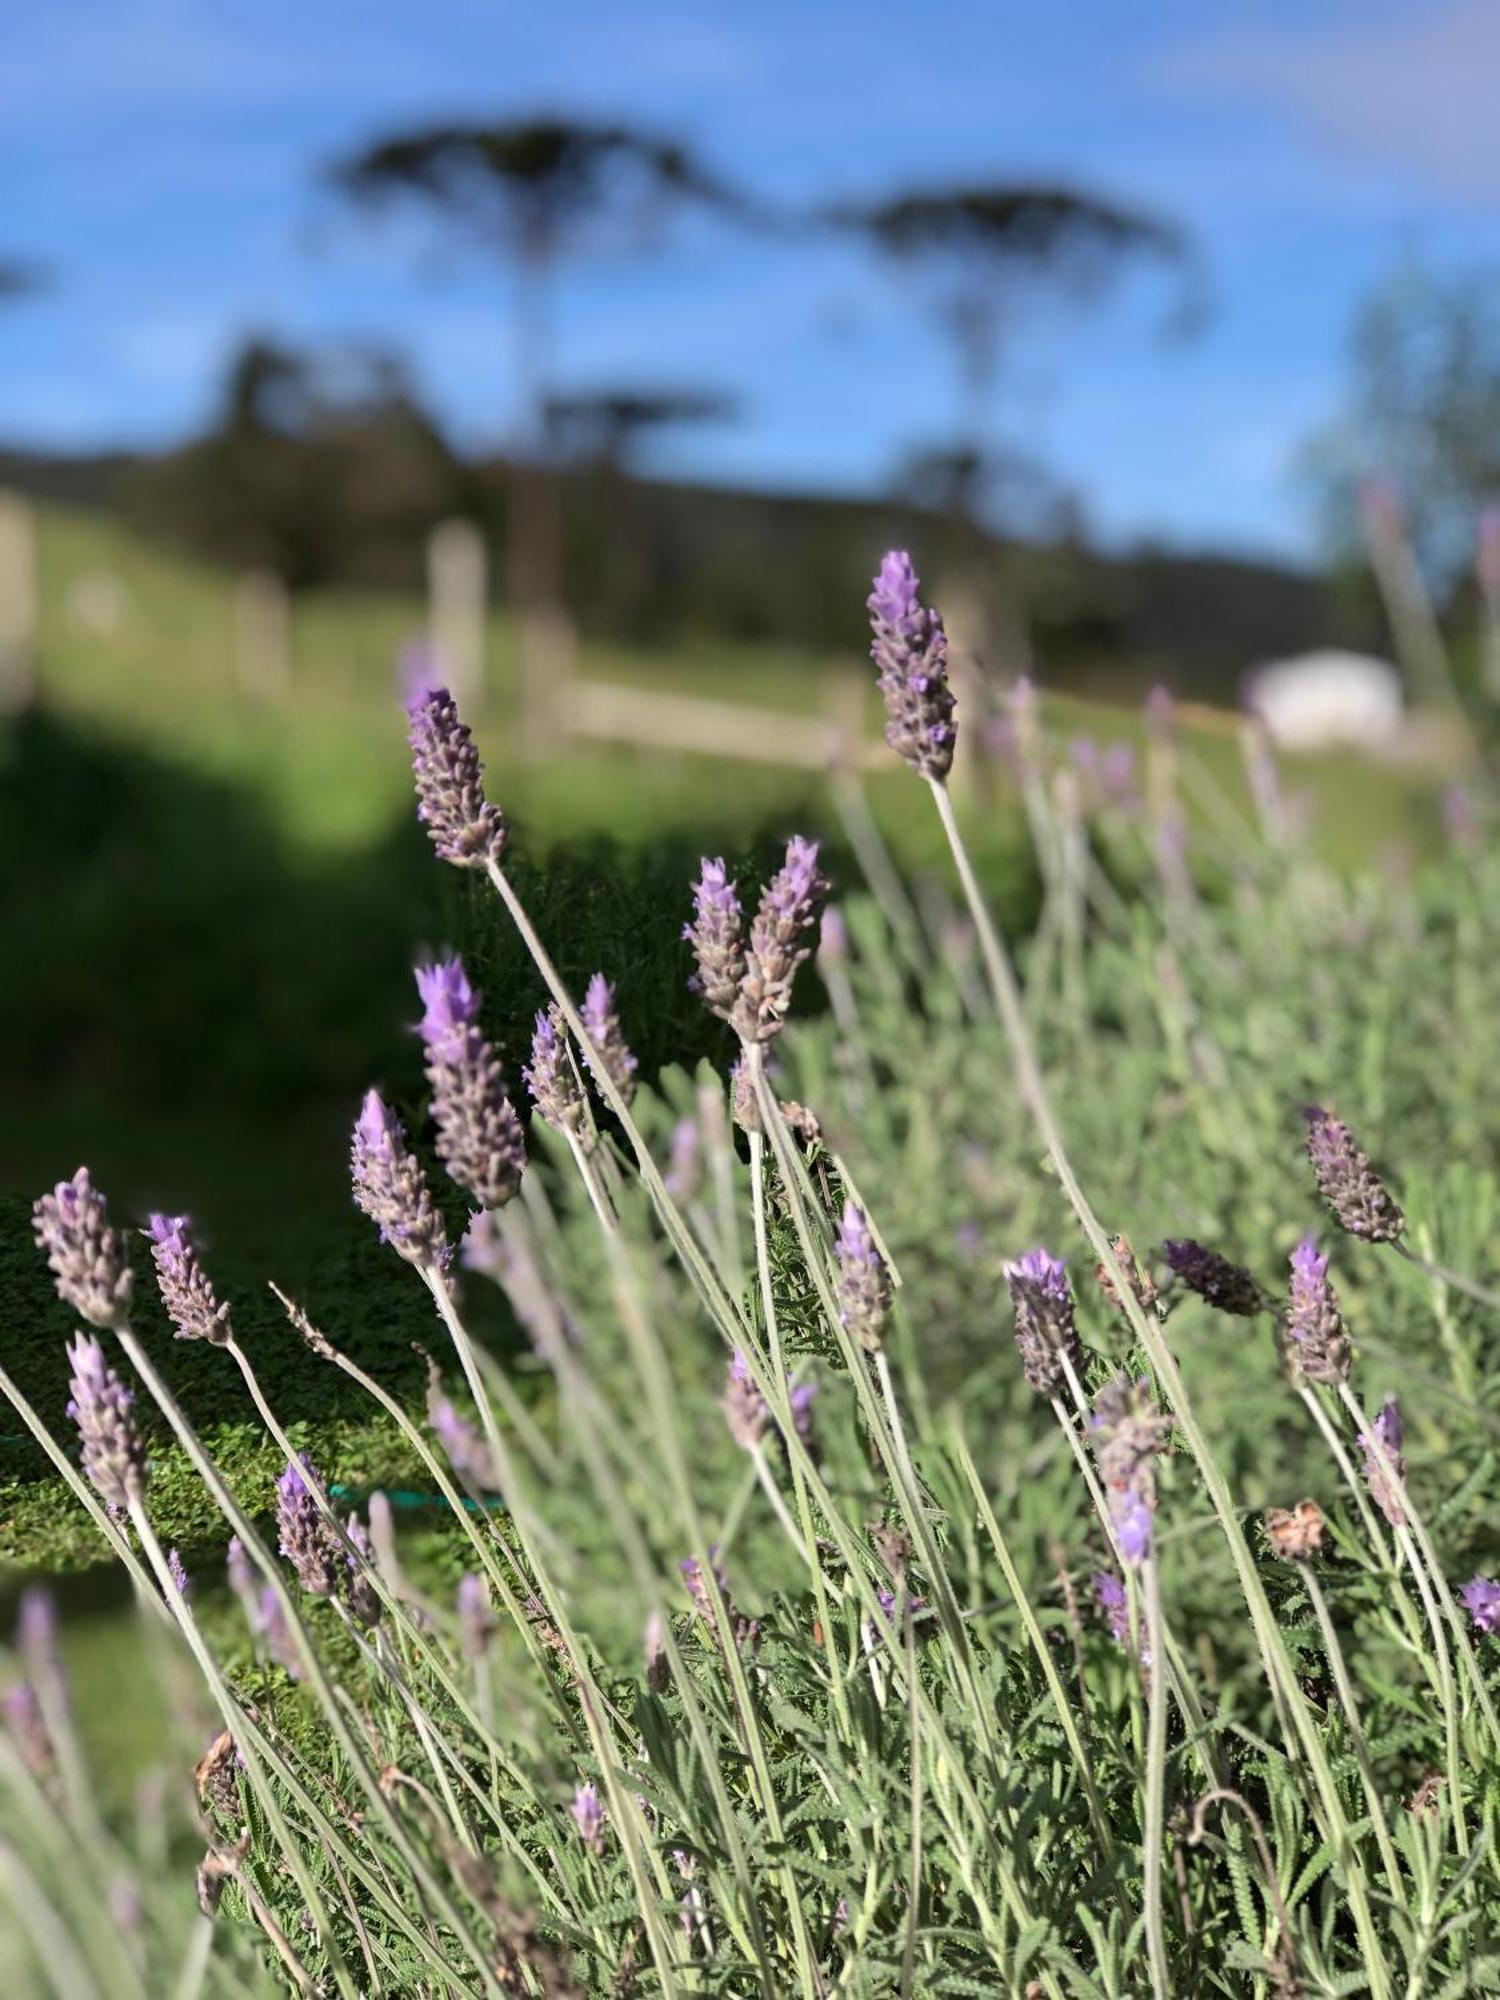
<point x="653" y="560"/>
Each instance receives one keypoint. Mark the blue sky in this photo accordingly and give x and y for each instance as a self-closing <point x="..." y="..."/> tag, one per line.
<point x="159" y="154"/>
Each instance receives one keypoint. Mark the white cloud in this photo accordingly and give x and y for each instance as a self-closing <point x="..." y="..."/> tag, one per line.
<point x="1411" y="89"/>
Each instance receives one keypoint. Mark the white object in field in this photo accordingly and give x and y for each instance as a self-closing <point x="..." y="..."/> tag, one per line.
<point x="18" y="603"/>
<point x="1328" y="698"/>
<point x="457" y="596"/>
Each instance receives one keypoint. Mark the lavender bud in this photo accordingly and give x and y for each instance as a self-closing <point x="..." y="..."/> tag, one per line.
<point x="1482" y="1602"/>
<point x="1229" y="1287"/>
<point x="658" y="1665"/>
<point x="479" y="1138"/>
<point x="588" y="1817"/>
<point x="271" y="1626"/>
<point x="86" y="1256"/>
<point x="747" y="1412"/>
<point x="364" y="1598"/>
<point x="742" y="1628"/>
<point x="467" y="1451"/>
<point x="684" y="1161"/>
<point x="1347" y="1182"/>
<point x="910" y="648"/>
<point x="28" y="1730"/>
<point x="1109" y="1595"/>
<point x="461" y="824"/>
<point x="717" y="935"/>
<point x="190" y="1300"/>
<point x="781" y="938"/>
<point x="391" y="1188"/>
<point x="306" y="1539"/>
<point x="1314" y="1324"/>
<point x="1381" y="1451"/>
<point x="476" y="1621"/>
<point x="1046" y="1331"/>
<point x="833" y="938"/>
<point x="862" y="1293"/>
<point x="182" y="1583"/>
<point x="602" y="1025"/>
<point x="101" y="1407"/>
<point x="237" y="1568"/>
<point x="1129" y="1432"/>
<point x="550" y="1077"/>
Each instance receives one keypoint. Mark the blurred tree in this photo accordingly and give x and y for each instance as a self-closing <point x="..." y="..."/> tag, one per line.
<point x="315" y="466"/>
<point x="601" y="432"/>
<point x="533" y="192"/>
<point x="1423" y="417"/>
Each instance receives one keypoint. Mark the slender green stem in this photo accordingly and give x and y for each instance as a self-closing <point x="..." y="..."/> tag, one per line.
<point x="1443" y="1276"/>
<point x="1156" y="1782"/>
<point x="1362" y="1756"/>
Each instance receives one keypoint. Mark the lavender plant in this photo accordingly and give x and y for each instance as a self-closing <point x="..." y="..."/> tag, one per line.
<point x="750" y="1657"/>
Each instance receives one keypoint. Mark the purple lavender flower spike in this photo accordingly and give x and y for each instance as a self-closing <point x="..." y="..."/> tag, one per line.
<point x="1358" y="1198"/>
<point x="189" y="1297"/>
<point x="479" y="1137"/>
<point x="449" y="778"/>
<point x="467" y="1451"/>
<point x="747" y="1412"/>
<point x="1228" y="1287"/>
<point x="1109" y="1595"/>
<point x="101" y="1407"/>
<point x="602" y="1024"/>
<point x="476" y="1621"/>
<point x="364" y="1598"/>
<point x="740" y="1626"/>
<point x="684" y="1160"/>
<point x="1314" y="1325"/>
<point x="1383" y="1449"/>
<point x="588" y="1817"/>
<point x="86" y="1256"/>
<point x="862" y="1291"/>
<point x="833" y="938"/>
<point x="550" y="1076"/>
<point x="242" y="1577"/>
<point x="1046" y="1330"/>
<point x="306" y="1539"/>
<point x="910" y="647"/>
<point x="781" y="938"/>
<point x="717" y="935"/>
<point x="27" y="1728"/>
<point x="182" y="1583"/>
<point x="391" y="1188"/>
<point x="1129" y="1433"/>
<point x="1482" y="1602"/>
<point x="271" y="1625"/>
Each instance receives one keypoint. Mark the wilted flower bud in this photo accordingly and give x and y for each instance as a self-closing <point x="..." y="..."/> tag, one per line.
<point x="910" y="647"/>
<point x="550" y="1075"/>
<point x="1347" y="1182"/>
<point x="862" y="1291"/>
<point x="1138" y="1281"/>
<point x="215" y="1776"/>
<point x="588" y="1817"/>
<point x="1227" y="1286"/>
<point x="306" y="1539"/>
<point x="192" y="1305"/>
<point x="1046" y="1331"/>
<point x="717" y="935"/>
<point x="1482" y="1602"/>
<point x="1295" y="1535"/>
<point x="101" y="1407"/>
<point x="391" y="1188"/>
<point x="602" y="1025"/>
<point x="1314" y="1324"/>
<point x="1380" y="1451"/>
<point x="461" y="824"/>
<point x="479" y="1137"/>
<point x="86" y="1256"/>
<point x="781" y="938"/>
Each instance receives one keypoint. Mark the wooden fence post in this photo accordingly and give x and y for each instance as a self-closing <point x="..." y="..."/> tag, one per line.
<point x="457" y="604"/>
<point x="18" y="603"/>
